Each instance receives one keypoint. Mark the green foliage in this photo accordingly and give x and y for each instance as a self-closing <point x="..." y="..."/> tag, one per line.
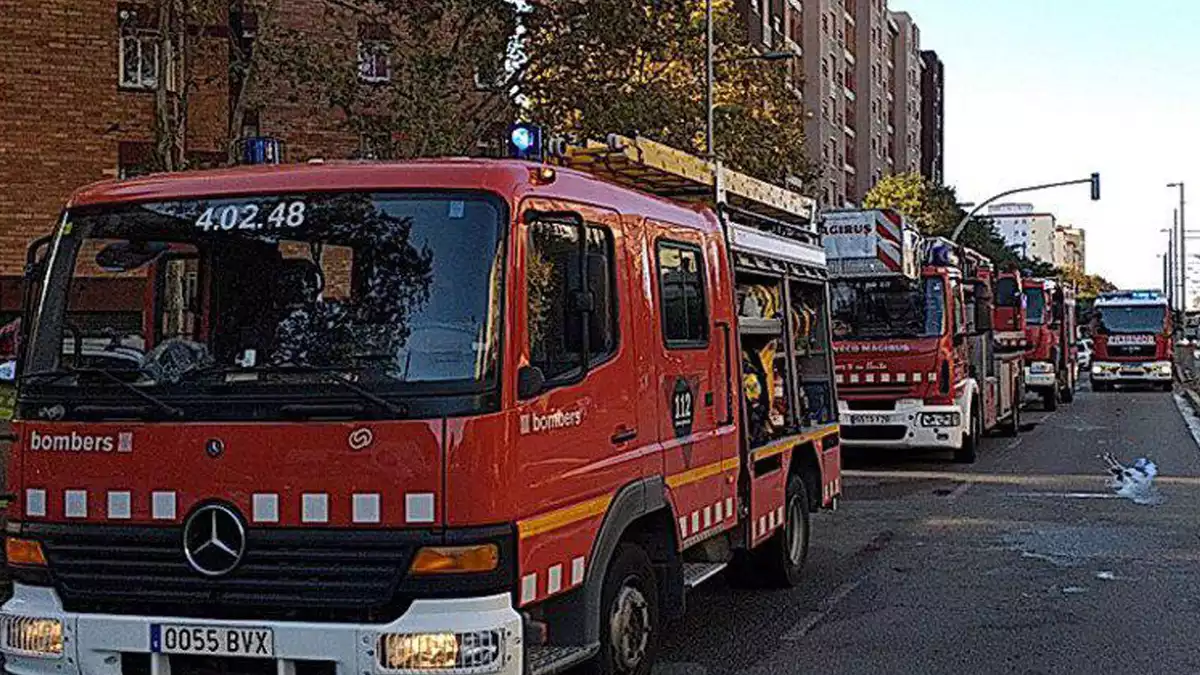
<point x="439" y="55"/>
<point x="596" y="67"/>
<point x="1088" y="286"/>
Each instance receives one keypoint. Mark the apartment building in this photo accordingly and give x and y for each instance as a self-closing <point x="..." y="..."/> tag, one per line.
<point x="872" y="79"/>
<point x="933" y="117"/>
<point x="828" y="30"/>
<point x="1039" y="236"/>
<point x="904" y="73"/>
<point x="1070" y="248"/>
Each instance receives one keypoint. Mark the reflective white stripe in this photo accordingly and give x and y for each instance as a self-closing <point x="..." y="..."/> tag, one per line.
<point x="683" y="527"/>
<point x="577" y="571"/>
<point x="554" y="579"/>
<point x="418" y="507"/>
<point x="695" y="522"/>
<point x="718" y="512"/>
<point x="885" y="377"/>
<point x="365" y="508"/>
<point x="779" y="513"/>
<point x="120" y="505"/>
<point x="901" y="377"/>
<point x="916" y="377"/>
<point x="870" y="378"/>
<point x="762" y="525"/>
<point x="729" y="506"/>
<point x="35" y="502"/>
<point x="314" y="508"/>
<point x="708" y="516"/>
<point x="840" y="379"/>
<point x="528" y="587"/>
<point x="265" y="508"/>
<point x="854" y="379"/>
<point x="75" y="503"/>
<point x="162" y="505"/>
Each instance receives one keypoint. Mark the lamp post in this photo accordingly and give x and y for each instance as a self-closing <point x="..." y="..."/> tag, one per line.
<point x="1181" y="224"/>
<point x="710" y="76"/>
<point x="1169" y="269"/>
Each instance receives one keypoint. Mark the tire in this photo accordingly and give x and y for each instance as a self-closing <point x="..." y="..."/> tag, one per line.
<point x="1050" y="399"/>
<point x="969" y="451"/>
<point x="1068" y="394"/>
<point x="780" y="560"/>
<point x="629" y="614"/>
<point x="1167" y="386"/>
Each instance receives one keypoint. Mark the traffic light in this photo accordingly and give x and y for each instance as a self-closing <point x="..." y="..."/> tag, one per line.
<point x="525" y="141"/>
<point x="1095" y="187"/>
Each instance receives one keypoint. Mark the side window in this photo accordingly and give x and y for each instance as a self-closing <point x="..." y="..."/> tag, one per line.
<point x="556" y="333"/>
<point x="681" y="287"/>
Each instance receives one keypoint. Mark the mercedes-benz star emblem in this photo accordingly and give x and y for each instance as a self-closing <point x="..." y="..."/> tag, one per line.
<point x="215" y="447"/>
<point x="214" y="540"/>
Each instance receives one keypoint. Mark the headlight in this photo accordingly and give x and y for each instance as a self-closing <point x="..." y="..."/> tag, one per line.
<point x="1162" y="368"/>
<point x="475" y="652"/>
<point x="30" y="636"/>
<point x="939" y="419"/>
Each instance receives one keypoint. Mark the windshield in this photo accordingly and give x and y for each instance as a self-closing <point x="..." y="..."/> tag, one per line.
<point x="1131" y="319"/>
<point x="401" y="290"/>
<point x="871" y="309"/>
<point x="1035" y="306"/>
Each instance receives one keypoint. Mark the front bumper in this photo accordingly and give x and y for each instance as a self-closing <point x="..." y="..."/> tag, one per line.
<point x="93" y="644"/>
<point x="1040" y="378"/>
<point x="1126" y="371"/>
<point x="901" y="428"/>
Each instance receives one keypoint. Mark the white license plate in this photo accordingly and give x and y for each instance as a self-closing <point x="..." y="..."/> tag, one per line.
<point x="868" y="419"/>
<point x="212" y="640"/>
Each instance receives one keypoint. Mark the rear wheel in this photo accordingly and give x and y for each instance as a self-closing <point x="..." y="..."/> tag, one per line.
<point x="1050" y="399"/>
<point x="781" y="558"/>
<point x="629" y="630"/>
<point x="969" y="452"/>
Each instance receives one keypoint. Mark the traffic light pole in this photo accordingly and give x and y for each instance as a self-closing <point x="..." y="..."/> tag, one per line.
<point x="1093" y="180"/>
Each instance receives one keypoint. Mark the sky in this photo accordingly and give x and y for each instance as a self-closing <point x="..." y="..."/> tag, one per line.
<point x="1039" y="91"/>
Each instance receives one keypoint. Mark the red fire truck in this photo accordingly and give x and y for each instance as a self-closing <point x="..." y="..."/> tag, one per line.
<point x="1131" y="331"/>
<point x="919" y="362"/>
<point x="1052" y="369"/>
<point x="451" y="416"/>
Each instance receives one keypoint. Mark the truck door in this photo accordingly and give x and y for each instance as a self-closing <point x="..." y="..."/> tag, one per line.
<point x="577" y="426"/>
<point x="695" y="418"/>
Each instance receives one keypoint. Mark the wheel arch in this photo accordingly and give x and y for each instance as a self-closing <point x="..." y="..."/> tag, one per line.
<point x="806" y="463"/>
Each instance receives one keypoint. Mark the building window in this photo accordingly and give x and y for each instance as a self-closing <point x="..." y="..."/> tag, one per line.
<point x="681" y="289"/>
<point x="139" y="48"/>
<point x="556" y="333"/>
<point x="374" y="54"/>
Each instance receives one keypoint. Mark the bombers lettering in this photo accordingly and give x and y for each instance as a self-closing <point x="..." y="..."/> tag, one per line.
<point x="533" y="423"/>
<point x="76" y="442"/>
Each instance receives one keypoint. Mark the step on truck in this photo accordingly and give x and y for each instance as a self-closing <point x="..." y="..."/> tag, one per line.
<point x="920" y="362"/>
<point x="442" y="416"/>
<point x="1052" y="350"/>
<point x="1131" y="333"/>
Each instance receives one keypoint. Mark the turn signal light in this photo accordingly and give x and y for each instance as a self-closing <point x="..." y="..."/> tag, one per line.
<point x="24" y="552"/>
<point x="456" y="559"/>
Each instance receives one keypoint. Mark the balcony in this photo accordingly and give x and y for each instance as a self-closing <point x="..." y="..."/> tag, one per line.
<point x="849" y="17"/>
<point x="850" y="93"/>
<point x="849" y="131"/>
<point x="849" y="56"/>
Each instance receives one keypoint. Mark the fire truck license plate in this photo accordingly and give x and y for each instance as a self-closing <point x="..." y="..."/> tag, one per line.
<point x="212" y="640"/>
<point x="868" y="419"/>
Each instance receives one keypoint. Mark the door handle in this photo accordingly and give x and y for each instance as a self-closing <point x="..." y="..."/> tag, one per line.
<point x="623" y="435"/>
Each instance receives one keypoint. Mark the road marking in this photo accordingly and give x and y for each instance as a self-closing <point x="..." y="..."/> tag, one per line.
<point x="958" y="491"/>
<point x="1068" y="495"/>
<point x="813" y="618"/>
<point x="1189" y="417"/>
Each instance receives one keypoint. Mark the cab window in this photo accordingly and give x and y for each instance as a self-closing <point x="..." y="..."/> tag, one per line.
<point x="556" y="304"/>
<point x="681" y="287"/>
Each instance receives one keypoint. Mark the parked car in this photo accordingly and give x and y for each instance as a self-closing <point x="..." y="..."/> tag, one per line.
<point x="1085" y="353"/>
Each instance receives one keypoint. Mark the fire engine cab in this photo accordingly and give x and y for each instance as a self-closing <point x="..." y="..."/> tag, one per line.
<point x="920" y="363"/>
<point x="442" y="416"/>
<point x="1132" y="336"/>
<point x="1052" y="370"/>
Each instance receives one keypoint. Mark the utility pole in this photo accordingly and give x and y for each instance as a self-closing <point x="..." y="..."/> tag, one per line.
<point x="709" y="78"/>
<point x="1182" y="246"/>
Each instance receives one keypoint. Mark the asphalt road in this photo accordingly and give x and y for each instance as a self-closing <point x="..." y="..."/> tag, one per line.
<point x="1021" y="563"/>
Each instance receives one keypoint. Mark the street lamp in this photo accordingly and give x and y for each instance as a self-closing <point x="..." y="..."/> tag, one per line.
<point x="1182" y="224"/>
<point x="1170" y="265"/>
<point x="710" y="64"/>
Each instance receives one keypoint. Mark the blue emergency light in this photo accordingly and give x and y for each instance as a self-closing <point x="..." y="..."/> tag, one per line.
<point x="525" y="141"/>
<point x="261" y="150"/>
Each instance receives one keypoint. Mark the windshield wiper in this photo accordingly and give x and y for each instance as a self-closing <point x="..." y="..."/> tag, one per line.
<point x="328" y="374"/>
<point x="55" y="375"/>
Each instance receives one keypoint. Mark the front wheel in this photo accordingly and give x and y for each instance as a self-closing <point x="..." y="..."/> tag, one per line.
<point x="1013" y="426"/>
<point x="1068" y="393"/>
<point x="781" y="558"/>
<point x="969" y="451"/>
<point x="629" y="632"/>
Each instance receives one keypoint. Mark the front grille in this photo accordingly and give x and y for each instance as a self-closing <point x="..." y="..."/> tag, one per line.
<point x="321" y="575"/>
<point x="1139" y="351"/>
<point x="882" y="432"/>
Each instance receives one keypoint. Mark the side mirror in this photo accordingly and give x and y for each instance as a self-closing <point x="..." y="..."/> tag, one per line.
<point x="530" y="382"/>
